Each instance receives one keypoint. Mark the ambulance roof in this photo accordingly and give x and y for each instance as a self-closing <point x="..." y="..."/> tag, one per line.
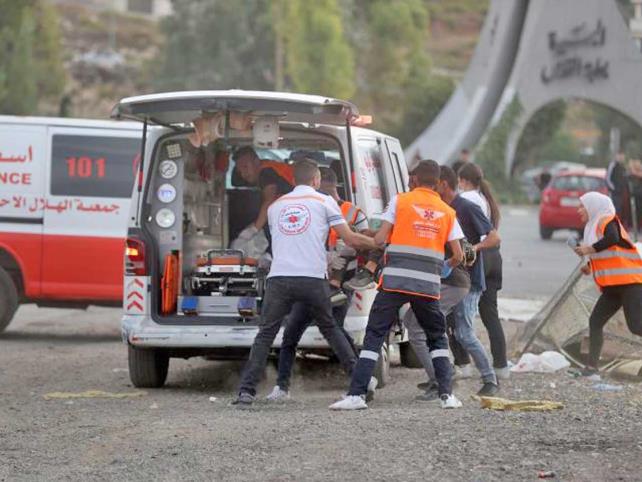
<point x="69" y="122"/>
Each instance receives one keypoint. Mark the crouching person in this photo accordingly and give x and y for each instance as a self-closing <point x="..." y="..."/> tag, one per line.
<point x="419" y="225"/>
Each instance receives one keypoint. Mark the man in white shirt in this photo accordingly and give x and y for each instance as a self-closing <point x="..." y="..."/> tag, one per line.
<point x="299" y="223"/>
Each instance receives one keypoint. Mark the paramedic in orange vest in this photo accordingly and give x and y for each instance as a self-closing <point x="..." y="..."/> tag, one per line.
<point x="417" y="225"/>
<point x="274" y="178"/>
<point x="616" y="266"/>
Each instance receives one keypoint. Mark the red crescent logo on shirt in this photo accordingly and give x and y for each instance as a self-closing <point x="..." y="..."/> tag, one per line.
<point x="294" y="219"/>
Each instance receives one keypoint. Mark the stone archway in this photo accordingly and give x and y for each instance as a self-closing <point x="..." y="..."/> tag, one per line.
<point x="563" y="49"/>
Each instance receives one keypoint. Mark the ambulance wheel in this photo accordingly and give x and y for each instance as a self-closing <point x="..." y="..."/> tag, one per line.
<point x="8" y="299"/>
<point x="147" y="367"/>
<point x="382" y="368"/>
<point x="408" y="357"/>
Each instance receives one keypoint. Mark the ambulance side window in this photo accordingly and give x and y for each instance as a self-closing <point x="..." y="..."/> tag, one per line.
<point x="371" y="170"/>
<point x="93" y="166"/>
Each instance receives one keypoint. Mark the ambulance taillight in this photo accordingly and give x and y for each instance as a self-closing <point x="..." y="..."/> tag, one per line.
<point x="135" y="257"/>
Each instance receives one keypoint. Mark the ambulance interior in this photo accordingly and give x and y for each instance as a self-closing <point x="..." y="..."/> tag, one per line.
<point x="214" y="264"/>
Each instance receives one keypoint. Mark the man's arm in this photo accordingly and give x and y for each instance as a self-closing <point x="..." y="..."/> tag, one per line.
<point x="381" y="237"/>
<point x="458" y="253"/>
<point x="491" y="240"/>
<point x="269" y="194"/>
<point x="356" y="240"/>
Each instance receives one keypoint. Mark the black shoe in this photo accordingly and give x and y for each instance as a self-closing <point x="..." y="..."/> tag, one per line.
<point x="431" y="393"/>
<point x="363" y="279"/>
<point x="425" y="385"/>
<point x="244" y="400"/>
<point x="589" y="371"/>
<point x="488" y="390"/>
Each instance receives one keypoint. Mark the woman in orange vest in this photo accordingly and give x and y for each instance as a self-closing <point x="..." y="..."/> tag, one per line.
<point x="616" y="266"/>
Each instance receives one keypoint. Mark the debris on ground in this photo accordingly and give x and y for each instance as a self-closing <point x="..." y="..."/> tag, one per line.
<point x="92" y="394"/>
<point x="213" y="399"/>
<point x="606" y="387"/>
<point x="496" y="403"/>
<point x="546" y="474"/>
<point x="547" y="362"/>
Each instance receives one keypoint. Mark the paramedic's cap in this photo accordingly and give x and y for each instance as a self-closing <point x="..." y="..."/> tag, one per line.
<point x="426" y="172"/>
<point x="317" y="156"/>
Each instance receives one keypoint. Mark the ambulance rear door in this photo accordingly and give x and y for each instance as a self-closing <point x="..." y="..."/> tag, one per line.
<point x="91" y="175"/>
<point x="22" y="185"/>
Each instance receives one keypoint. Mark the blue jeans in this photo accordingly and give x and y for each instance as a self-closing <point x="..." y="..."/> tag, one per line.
<point x="464" y="314"/>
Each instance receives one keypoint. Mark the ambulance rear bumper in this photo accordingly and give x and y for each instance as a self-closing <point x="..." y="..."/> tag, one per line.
<point x="140" y="330"/>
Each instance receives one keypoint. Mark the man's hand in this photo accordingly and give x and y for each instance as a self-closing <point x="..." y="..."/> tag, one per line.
<point x="586" y="269"/>
<point x="458" y="253"/>
<point x="356" y="240"/>
<point x="491" y="240"/>
<point x="382" y="236"/>
<point x="584" y="250"/>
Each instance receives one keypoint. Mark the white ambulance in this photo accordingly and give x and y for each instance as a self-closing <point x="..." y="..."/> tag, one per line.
<point x="65" y="188"/>
<point x="186" y="292"/>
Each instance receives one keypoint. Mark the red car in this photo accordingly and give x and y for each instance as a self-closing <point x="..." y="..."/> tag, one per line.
<point x="560" y="199"/>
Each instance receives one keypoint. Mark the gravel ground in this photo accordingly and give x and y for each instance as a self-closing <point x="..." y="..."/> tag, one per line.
<point x="177" y="433"/>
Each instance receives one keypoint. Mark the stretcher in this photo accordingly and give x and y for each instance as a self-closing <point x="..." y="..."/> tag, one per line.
<point x="227" y="272"/>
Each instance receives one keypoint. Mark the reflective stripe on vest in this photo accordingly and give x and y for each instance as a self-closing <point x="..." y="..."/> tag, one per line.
<point x="350" y="213"/>
<point x="616" y="265"/>
<point x="415" y="256"/>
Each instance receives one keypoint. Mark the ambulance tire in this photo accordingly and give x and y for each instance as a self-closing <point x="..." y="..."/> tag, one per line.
<point x="8" y="299"/>
<point x="382" y="368"/>
<point x="147" y="367"/>
<point x="408" y="357"/>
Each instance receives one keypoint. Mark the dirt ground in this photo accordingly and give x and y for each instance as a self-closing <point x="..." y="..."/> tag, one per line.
<point x="178" y="433"/>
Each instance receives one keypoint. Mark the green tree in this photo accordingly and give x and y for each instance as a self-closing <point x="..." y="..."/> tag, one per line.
<point x="393" y="69"/>
<point x="318" y="57"/>
<point x="30" y="63"/>
<point x="217" y="45"/>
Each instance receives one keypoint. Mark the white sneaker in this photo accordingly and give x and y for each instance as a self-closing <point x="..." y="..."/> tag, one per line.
<point x="450" y="401"/>
<point x="350" y="402"/>
<point x="502" y="373"/>
<point x="463" y="371"/>
<point x="278" y="395"/>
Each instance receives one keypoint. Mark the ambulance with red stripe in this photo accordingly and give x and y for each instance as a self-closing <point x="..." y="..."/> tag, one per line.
<point x="195" y="269"/>
<point x="65" y="190"/>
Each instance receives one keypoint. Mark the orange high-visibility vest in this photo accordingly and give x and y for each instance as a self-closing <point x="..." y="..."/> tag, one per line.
<point x="616" y="265"/>
<point x="415" y="256"/>
<point x="350" y="213"/>
<point x="282" y="169"/>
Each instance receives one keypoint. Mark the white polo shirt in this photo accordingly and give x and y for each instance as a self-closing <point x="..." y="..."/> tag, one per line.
<point x="299" y="224"/>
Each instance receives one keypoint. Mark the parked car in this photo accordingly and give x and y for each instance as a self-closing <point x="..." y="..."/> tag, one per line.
<point x="560" y="200"/>
<point x="531" y="179"/>
<point x="65" y="188"/>
<point x="213" y="307"/>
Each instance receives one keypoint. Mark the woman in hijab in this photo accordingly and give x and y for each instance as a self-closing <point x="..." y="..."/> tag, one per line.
<point x="616" y="266"/>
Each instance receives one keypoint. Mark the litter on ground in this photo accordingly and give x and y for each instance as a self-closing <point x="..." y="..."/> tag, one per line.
<point x="606" y="387"/>
<point x="92" y="394"/>
<point x="547" y="362"/>
<point x="496" y="403"/>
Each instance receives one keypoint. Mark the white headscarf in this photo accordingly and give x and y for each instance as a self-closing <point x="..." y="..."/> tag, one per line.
<point x="598" y="206"/>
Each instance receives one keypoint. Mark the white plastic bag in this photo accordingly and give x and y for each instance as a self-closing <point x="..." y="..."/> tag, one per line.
<point x="547" y="362"/>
